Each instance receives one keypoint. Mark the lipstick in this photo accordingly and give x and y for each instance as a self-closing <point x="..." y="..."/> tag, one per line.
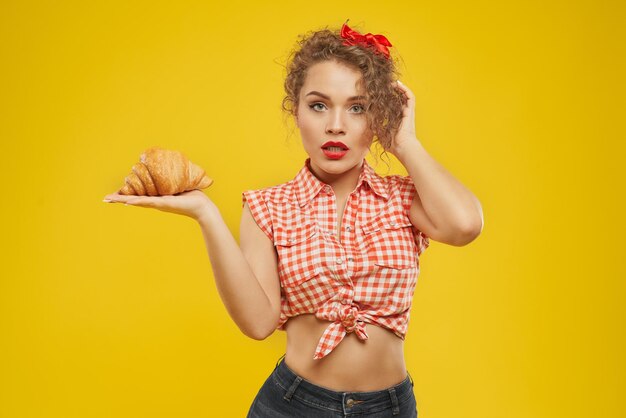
<point x="334" y="150"/>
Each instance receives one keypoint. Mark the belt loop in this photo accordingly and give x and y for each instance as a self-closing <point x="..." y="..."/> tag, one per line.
<point x="394" y="401"/>
<point x="292" y="389"/>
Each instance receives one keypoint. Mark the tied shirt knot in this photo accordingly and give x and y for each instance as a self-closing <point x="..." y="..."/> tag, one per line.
<point x="349" y="317"/>
<point x="345" y="319"/>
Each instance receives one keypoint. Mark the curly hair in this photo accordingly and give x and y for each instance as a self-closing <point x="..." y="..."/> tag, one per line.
<point x="384" y="102"/>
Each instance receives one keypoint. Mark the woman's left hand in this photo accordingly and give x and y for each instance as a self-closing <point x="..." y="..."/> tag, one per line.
<point x="406" y="132"/>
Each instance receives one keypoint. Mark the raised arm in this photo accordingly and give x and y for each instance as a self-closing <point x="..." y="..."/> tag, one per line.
<point x="443" y="208"/>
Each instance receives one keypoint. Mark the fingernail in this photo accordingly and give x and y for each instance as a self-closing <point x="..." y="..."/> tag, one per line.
<point x="107" y="200"/>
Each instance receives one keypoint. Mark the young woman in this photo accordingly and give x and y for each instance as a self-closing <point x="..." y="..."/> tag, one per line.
<point x="332" y="256"/>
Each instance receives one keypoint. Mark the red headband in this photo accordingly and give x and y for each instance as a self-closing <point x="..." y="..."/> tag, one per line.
<point x="352" y="37"/>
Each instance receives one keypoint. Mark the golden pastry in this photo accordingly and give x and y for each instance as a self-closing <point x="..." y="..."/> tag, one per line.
<point x="161" y="172"/>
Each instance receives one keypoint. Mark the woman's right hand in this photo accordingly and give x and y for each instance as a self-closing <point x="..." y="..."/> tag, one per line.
<point x="192" y="203"/>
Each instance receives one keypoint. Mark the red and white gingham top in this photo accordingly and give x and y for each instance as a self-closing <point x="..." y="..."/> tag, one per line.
<point x="367" y="277"/>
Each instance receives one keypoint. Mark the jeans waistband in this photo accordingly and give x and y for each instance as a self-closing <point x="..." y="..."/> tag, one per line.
<point x="296" y="385"/>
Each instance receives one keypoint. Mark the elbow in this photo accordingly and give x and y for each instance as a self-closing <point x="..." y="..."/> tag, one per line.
<point x="466" y="228"/>
<point x="462" y="233"/>
<point x="469" y="233"/>
<point x="258" y="335"/>
<point x="261" y="331"/>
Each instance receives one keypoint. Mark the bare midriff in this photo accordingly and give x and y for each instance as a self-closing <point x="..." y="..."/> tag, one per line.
<point x="355" y="365"/>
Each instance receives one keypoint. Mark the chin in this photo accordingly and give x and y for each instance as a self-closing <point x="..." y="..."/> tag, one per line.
<point x="335" y="166"/>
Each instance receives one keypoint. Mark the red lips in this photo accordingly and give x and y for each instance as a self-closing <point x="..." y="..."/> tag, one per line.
<point x="335" y="144"/>
<point x="334" y="150"/>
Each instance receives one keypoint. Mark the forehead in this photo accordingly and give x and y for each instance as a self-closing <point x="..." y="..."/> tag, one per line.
<point x="333" y="79"/>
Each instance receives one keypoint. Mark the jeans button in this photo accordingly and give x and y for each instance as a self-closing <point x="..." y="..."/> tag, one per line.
<point x="350" y="402"/>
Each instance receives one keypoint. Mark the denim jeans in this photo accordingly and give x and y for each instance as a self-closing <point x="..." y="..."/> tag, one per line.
<point x="285" y="394"/>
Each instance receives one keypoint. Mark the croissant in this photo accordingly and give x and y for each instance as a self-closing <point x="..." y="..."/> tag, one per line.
<point x="162" y="172"/>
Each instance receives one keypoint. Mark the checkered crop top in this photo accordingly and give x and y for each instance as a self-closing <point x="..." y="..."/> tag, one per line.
<point x="366" y="277"/>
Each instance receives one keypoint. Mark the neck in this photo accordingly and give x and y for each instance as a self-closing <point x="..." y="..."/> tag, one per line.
<point x="343" y="183"/>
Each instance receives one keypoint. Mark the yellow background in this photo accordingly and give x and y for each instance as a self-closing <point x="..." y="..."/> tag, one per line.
<point x="111" y="311"/>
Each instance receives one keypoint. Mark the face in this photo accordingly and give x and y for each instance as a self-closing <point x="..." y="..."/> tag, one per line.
<point x="332" y="122"/>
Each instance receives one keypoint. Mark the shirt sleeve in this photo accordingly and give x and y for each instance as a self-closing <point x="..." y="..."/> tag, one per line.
<point x="260" y="211"/>
<point x="407" y="192"/>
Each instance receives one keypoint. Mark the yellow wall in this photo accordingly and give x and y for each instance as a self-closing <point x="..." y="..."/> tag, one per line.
<point x="111" y="311"/>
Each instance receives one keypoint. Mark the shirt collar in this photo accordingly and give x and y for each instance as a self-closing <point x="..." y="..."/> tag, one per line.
<point x="307" y="186"/>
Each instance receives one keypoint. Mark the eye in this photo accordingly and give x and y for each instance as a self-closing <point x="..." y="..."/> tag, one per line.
<point x="361" y="108"/>
<point x="312" y="106"/>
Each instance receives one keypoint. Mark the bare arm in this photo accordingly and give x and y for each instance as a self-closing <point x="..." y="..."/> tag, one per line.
<point x="443" y="208"/>
<point x="246" y="276"/>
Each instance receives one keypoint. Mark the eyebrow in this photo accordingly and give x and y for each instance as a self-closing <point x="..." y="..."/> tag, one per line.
<point x="328" y="98"/>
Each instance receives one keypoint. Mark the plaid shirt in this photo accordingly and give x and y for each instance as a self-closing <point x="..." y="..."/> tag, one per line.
<point x="369" y="276"/>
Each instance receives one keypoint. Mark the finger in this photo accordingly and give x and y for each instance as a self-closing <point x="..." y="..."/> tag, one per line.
<point x="118" y="198"/>
<point x="408" y="107"/>
<point x="397" y="85"/>
<point x="112" y="198"/>
<point x="146" y="202"/>
<point x="403" y="90"/>
<point x="407" y="91"/>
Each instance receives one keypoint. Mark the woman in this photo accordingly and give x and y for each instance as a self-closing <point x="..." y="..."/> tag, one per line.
<point x="332" y="256"/>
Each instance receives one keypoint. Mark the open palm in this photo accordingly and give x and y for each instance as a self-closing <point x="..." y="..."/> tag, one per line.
<point x="190" y="203"/>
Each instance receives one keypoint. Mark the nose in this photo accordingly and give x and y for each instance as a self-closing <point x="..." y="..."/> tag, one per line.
<point x="335" y="123"/>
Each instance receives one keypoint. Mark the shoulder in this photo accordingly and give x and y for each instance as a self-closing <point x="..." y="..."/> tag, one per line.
<point x="398" y="185"/>
<point x="263" y="204"/>
<point x="396" y="180"/>
<point x="271" y="194"/>
<point x="399" y="189"/>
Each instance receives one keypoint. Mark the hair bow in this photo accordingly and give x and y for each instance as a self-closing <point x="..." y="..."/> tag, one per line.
<point x="352" y="37"/>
